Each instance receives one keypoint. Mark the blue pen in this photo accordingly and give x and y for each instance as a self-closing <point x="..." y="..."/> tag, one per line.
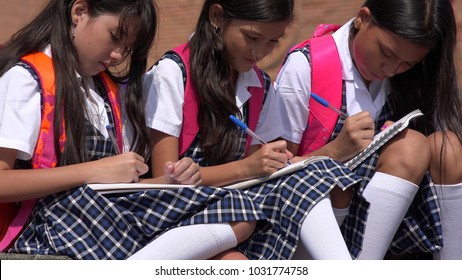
<point x="113" y="139"/>
<point x="324" y="103"/>
<point x="244" y="127"/>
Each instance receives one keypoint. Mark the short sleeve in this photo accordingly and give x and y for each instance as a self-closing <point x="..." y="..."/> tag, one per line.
<point x="164" y="91"/>
<point x="19" y="111"/>
<point x="293" y="88"/>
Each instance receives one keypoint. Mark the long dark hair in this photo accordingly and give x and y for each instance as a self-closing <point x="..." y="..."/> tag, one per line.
<point x="210" y="72"/>
<point x="53" y="27"/>
<point x="431" y="85"/>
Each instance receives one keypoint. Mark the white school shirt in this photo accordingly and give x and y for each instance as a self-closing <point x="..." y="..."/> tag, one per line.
<point x="163" y="85"/>
<point x="293" y="87"/>
<point x="20" y="111"/>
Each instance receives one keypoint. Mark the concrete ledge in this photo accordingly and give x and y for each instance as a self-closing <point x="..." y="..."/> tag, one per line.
<point x="8" y="256"/>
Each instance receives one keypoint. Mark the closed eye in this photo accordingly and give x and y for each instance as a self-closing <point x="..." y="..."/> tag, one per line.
<point x="251" y="38"/>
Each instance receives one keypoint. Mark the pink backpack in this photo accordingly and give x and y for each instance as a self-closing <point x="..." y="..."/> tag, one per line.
<point x="326" y="81"/>
<point x="190" y="109"/>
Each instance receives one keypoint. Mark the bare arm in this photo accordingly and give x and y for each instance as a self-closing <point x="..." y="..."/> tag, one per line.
<point x="355" y="135"/>
<point x="17" y="185"/>
<point x="264" y="161"/>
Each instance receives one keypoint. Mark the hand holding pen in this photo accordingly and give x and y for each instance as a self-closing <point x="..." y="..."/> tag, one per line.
<point x="244" y="127"/>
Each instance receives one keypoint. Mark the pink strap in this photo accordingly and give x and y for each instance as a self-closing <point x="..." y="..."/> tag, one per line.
<point x="255" y="105"/>
<point x="190" y="126"/>
<point x="17" y="224"/>
<point x="324" y="29"/>
<point x="326" y="81"/>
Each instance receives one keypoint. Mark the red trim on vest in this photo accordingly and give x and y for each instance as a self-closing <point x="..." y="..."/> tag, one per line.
<point x="44" y="154"/>
<point x="326" y="81"/>
<point x="190" y="126"/>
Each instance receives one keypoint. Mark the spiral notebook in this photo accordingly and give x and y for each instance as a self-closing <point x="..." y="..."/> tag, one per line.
<point x="379" y="140"/>
<point x="382" y="137"/>
<point x="133" y="187"/>
<point x="283" y="171"/>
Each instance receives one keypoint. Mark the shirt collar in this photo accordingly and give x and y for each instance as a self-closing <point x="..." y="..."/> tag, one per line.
<point x="341" y="40"/>
<point x="245" y="81"/>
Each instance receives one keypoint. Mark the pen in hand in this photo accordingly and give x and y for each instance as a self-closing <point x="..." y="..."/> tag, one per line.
<point x="244" y="127"/>
<point x="113" y="139"/>
<point x="324" y="103"/>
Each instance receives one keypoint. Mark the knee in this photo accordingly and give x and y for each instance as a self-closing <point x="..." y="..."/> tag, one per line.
<point x="406" y="156"/>
<point x="243" y="230"/>
<point x="446" y="155"/>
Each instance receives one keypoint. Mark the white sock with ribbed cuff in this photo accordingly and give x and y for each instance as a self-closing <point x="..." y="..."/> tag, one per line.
<point x="450" y="202"/>
<point x="320" y="236"/>
<point x="193" y="242"/>
<point x="390" y="198"/>
<point x="341" y="214"/>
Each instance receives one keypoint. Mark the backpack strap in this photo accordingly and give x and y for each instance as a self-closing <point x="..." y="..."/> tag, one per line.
<point x="114" y="100"/>
<point x="190" y="126"/>
<point x="256" y="102"/>
<point x="44" y="154"/>
<point x="16" y="215"/>
<point x="326" y="81"/>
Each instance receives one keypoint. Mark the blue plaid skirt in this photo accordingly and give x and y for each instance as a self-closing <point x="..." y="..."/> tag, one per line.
<point x="83" y="224"/>
<point x="419" y="232"/>
<point x="286" y="201"/>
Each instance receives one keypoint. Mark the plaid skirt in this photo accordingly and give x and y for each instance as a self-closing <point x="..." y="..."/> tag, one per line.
<point x="286" y="201"/>
<point x="83" y="224"/>
<point x="419" y="232"/>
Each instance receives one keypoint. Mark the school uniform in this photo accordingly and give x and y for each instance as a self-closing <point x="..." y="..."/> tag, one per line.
<point x="285" y="201"/>
<point x="80" y="222"/>
<point x="420" y="230"/>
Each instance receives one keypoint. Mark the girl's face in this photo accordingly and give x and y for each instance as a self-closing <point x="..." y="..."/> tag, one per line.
<point x="380" y="54"/>
<point x="98" y="44"/>
<point x="248" y="42"/>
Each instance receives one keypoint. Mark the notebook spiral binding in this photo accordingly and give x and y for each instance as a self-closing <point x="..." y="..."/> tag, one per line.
<point x="381" y="138"/>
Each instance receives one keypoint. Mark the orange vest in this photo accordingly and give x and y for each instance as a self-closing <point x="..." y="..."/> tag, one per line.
<point x="15" y="215"/>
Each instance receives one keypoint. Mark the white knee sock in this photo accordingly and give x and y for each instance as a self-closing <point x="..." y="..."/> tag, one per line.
<point x="390" y="198"/>
<point x="450" y="201"/>
<point x="320" y="235"/>
<point x="341" y="214"/>
<point x="194" y="242"/>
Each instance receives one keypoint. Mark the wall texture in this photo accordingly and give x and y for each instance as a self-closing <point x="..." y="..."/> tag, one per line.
<point x="178" y="18"/>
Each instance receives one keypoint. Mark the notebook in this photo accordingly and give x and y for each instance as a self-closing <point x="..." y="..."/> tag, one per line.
<point x="382" y="137"/>
<point x="283" y="171"/>
<point x="133" y="187"/>
<point x="379" y="140"/>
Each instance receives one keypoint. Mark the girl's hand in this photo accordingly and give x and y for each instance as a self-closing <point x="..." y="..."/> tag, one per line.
<point x="355" y="136"/>
<point x="185" y="171"/>
<point x="268" y="159"/>
<point x="123" y="168"/>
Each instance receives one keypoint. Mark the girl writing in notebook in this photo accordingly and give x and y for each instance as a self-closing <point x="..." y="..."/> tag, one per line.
<point x="206" y="80"/>
<point x="59" y="66"/>
<point x="395" y="56"/>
